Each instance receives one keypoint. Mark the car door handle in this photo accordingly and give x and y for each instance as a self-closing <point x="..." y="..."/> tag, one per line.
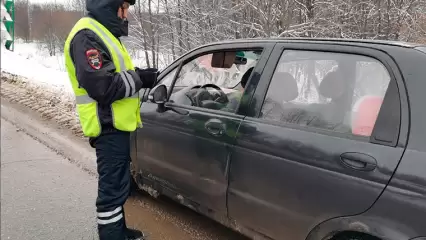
<point x="215" y="127"/>
<point x="358" y="161"/>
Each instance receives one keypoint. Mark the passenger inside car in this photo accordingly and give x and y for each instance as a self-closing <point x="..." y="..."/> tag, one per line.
<point x="285" y="86"/>
<point x="323" y="114"/>
<point x="331" y="114"/>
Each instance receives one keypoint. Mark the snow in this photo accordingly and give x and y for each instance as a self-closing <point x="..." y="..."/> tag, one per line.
<point x="36" y="52"/>
<point x="33" y="62"/>
<point x="34" y="66"/>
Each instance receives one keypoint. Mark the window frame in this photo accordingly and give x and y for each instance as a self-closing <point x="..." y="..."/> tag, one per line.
<point x="399" y="121"/>
<point x="266" y="47"/>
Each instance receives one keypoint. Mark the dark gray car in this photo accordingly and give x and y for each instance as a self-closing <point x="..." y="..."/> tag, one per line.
<point x="292" y="138"/>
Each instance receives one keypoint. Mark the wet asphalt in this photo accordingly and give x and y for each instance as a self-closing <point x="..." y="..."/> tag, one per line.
<point x="43" y="195"/>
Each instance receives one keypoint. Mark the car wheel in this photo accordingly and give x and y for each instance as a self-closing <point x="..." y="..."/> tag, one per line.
<point x="348" y="238"/>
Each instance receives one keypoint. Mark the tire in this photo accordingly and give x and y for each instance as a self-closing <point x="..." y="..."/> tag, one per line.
<point x="348" y="238"/>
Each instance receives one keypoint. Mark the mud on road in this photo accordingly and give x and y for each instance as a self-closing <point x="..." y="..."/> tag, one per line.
<point x="168" y="220"/>
<point x="161" y="219"/>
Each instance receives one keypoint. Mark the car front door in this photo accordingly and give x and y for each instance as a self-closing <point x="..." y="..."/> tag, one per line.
<point x="329" y="129"/>
<point x="187" y="148"/>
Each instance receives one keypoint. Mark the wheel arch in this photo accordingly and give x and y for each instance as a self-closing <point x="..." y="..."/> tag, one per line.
<point x="375" y="227"/>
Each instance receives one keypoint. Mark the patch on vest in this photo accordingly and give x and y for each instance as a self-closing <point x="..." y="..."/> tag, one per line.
<point x="94" y="58"/>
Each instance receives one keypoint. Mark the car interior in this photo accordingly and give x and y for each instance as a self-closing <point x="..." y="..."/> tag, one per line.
<point x="335" y="113"/>
<point x="218" y="96"/>
<point x="336" y="89"/>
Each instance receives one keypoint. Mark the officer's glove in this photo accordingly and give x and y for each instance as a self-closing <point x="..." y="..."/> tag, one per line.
<point x="148" y="76"/>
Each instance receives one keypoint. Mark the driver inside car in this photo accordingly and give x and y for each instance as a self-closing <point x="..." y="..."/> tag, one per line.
<point x="235" y="97"/>
<point x="210" y="95"/>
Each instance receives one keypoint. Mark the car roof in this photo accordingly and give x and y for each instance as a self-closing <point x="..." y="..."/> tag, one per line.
<point x="326" y="40"/>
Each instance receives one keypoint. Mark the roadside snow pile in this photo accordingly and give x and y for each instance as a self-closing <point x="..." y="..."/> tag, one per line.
<point x="32" y="71"/>
<point x="47" y="102"/>
<point x="42" y="89"/>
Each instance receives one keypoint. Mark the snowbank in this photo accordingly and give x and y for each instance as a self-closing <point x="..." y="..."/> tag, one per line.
<point x="32" y="69"/>
<point x="27" y="80"/>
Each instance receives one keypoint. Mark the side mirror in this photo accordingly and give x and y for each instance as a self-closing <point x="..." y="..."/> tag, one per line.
<point x="158" y="95"/>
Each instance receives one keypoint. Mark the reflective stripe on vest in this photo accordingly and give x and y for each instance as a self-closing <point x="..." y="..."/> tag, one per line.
<point x="125" y="112"/>
<point x="127" y="78"/>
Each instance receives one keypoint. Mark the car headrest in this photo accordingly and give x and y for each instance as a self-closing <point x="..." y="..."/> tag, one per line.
<point x="285" y="85"/>
<point x="366" y="111"/>
<point x="246" y="77"/>
<point x="332" y="85"/>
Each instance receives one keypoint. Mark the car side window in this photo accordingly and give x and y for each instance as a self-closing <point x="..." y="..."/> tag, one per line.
<point x="215" y="80"/>
<point x="337" y="92"/>
<point x="168" y="79"/>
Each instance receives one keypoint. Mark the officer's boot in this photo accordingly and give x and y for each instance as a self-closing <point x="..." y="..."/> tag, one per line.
<point x="133" y="234"/>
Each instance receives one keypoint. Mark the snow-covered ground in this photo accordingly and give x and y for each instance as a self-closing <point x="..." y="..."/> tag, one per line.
<point x="37" y="52"/>
<point x="34" y="79"/>
<point x="30" y="76"/>
<point x="36" y="67"/>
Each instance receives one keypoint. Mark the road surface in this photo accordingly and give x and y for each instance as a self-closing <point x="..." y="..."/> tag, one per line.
<point x="43" y="196"/>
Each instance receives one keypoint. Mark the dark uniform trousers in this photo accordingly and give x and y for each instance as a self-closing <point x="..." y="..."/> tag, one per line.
<point x="113" y="163"/>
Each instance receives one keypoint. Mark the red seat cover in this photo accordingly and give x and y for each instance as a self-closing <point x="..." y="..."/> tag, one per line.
<point x="366" y="113"/>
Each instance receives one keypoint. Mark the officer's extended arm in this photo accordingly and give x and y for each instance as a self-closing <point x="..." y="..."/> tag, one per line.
<point x="95" y="70"/>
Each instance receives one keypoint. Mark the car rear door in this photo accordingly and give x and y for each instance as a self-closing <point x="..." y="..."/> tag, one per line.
<point x="186" y="149"/>
<point x="329" y="128"/>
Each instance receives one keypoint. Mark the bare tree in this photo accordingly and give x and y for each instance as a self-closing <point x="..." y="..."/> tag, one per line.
<point x="22" y="19"/>
<point x="165" y="29"/>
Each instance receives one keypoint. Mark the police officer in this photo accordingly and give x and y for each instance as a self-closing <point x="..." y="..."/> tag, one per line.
<point x="106" y="86"/>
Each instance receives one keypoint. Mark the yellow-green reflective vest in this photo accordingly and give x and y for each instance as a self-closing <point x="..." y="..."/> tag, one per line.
<point x="125" y="112"/>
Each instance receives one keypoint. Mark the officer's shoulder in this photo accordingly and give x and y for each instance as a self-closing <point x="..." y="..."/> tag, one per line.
<point x="86" y="34"/>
